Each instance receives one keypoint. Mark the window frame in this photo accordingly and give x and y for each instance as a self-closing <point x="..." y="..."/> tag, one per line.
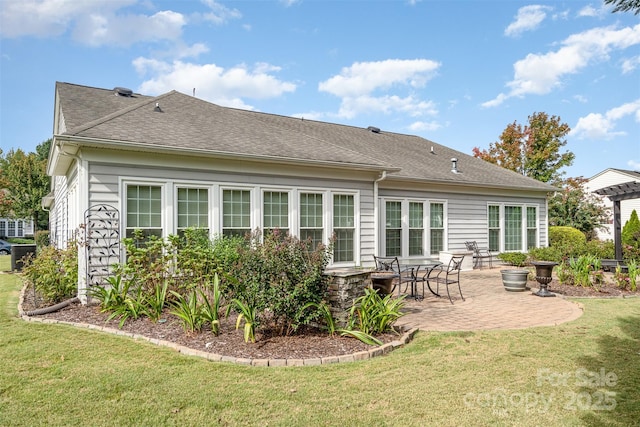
<point x="355" y="227"/>
<point x="523" y="224"/>
<point x="125" y="184"/>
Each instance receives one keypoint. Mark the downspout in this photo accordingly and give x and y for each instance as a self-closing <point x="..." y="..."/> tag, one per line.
<point x="376" y="213"/>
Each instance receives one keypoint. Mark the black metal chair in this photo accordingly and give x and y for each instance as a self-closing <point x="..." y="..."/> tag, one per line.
<point x="449" y="275"/>
<point x="479" y="254"/>
<point x="393" y="264"/>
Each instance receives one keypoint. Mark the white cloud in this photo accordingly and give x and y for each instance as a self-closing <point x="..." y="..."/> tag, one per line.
<point x="425" y="126"/>
<point x="630" y="64"/>
<point x="49" y="18"/>
<point x="219" y="13"/>
<point x="539" y="74"/>
<point x="602" y="126"/>
<point x="527" y="19"/>
<point x="222" y="86"/>
<point x="357" y="84"/>
<point x="592" y="12"/>
<point x="634" y="165"/>
<point x="125" y="30"/>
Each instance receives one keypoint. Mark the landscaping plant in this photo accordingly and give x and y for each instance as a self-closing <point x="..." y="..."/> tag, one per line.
<point x="517" y="259"/>
<point x="54" y="272"/>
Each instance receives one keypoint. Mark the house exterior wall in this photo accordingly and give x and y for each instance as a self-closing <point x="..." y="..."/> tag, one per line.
<point x="64" y="216"/>
<point x="605" y="179"/>
<point x="107" y="181"/>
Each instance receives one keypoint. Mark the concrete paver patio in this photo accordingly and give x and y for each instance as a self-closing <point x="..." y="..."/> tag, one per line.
<point x="487" y="306"/>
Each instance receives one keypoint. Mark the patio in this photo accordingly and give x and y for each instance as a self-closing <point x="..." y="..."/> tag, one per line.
<point x="487" y="306"/>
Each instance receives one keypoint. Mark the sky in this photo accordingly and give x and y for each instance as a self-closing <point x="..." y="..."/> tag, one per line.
<point x="455" y="72"/>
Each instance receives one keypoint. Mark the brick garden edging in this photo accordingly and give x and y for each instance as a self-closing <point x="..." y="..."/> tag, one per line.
<point x="361" y="355"/>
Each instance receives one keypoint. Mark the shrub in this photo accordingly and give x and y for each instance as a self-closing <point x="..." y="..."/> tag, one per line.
<point x="569" y="241"/>
<point x="278" y="276"/>
<point x="54" y="272"/>
<point x="601" y="249"/>
<point x="513" y="258"/>
<point x="546" y="254"/>
<point x="42" y="239"/>
<point x="630" y="230"/>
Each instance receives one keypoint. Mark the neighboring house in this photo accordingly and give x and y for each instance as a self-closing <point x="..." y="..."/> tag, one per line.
<point x="607" y="178"/>
<point x="164" y="163"/>
<point x="15" y="228"/>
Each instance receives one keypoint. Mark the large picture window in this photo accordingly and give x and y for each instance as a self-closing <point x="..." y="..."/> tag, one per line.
<point x="236" y="212"/>
<point x="513" y="228"/>
<point x="193" y="208"/>
<point x="311" y="218"/>
<point x="416" y="228"/>
<point x="144" y="210"/>
<point x="436" y="219"/>
<point x="275" y="211"/>
<point x="393" y="229"/>
<point x="343" y="227"/>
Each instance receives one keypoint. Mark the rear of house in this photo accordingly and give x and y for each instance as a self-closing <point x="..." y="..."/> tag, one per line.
<point x="122" y="161"/>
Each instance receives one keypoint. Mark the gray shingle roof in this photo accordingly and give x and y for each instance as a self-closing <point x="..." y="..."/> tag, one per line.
<point x="191" y="124"/>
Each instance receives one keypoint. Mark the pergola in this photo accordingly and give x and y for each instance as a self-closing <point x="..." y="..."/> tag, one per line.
<point x="617" y="193"/>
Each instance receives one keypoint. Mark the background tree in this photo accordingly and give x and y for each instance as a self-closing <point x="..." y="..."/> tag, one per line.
<point x="24" y="181"/>
<point x="624" y="5"/>
<point x="574" y="207"/>
<point x="532" y="150"/>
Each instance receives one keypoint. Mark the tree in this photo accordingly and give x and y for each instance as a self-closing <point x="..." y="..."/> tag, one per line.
<point x="574" y="207"/>
<point x="532" y="150"/>
<point x="631" y="229"/>
<point x="625" y="5"/>
<point x="24" y="181"/>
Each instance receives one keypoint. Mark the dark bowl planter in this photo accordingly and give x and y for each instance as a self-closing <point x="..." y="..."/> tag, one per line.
<point x="382" y="281"/>
<point x="515" y="280"/>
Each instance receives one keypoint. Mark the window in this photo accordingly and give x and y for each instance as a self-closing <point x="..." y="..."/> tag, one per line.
<point x="144" y="210"/>
<point x="393" y="226"/>
<point x="236" y="212"/>
<point x="494" y="228"/>
<point x="532" y="227"/>
<point x="275" y="211"/>
<point x="343" y="227"/>
<point x="437" y="228"/>
<point x="20" y="228"/>
<point x="513" y="228"/>
<point x="311" y="218"/>
<point x="193" y="208"/>
<point x="416" y="228"/>
<point x="3" y="228"/>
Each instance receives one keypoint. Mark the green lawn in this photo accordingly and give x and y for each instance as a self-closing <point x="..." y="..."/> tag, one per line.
<point x="586" y="372"/>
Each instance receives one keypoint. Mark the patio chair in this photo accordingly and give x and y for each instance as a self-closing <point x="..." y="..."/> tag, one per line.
<point x="393" y="264"/>
<point x="479" y="254"/>
<point x="448" y="275"/>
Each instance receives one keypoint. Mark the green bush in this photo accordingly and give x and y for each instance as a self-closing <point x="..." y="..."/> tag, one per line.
<point x="569" y="241"/>
<point x="546" y="254"/>
<point x="42" y="239"/>
<point x="513" y="258"/>
<point x="278" y="276"/>
<point x="601" y="249"/>
<point x="631" y="230"/>
<point x="54" y="273"/>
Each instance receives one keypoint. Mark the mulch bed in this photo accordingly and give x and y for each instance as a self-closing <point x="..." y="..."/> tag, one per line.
<point x="607" y="290"/>
<point x="305" y="344"/>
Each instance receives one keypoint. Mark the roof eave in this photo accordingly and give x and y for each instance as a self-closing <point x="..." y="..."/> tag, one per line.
<point x="550" y="188"/>
<point x="76" y="142"/>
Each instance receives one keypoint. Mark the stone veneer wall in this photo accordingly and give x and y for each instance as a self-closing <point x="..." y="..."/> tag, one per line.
<point x="345" y="285"/>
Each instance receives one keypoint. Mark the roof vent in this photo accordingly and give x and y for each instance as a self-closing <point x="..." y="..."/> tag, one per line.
<point x="373" y="129"/>
<point x="123" y="91"/>
<point x="454" y="165"/>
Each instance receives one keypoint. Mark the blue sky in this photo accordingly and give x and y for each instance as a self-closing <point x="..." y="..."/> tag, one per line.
<point x="455" y="72"/>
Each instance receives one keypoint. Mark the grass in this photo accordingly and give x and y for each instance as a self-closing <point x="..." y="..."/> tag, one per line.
<point x="58" y="375"/>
